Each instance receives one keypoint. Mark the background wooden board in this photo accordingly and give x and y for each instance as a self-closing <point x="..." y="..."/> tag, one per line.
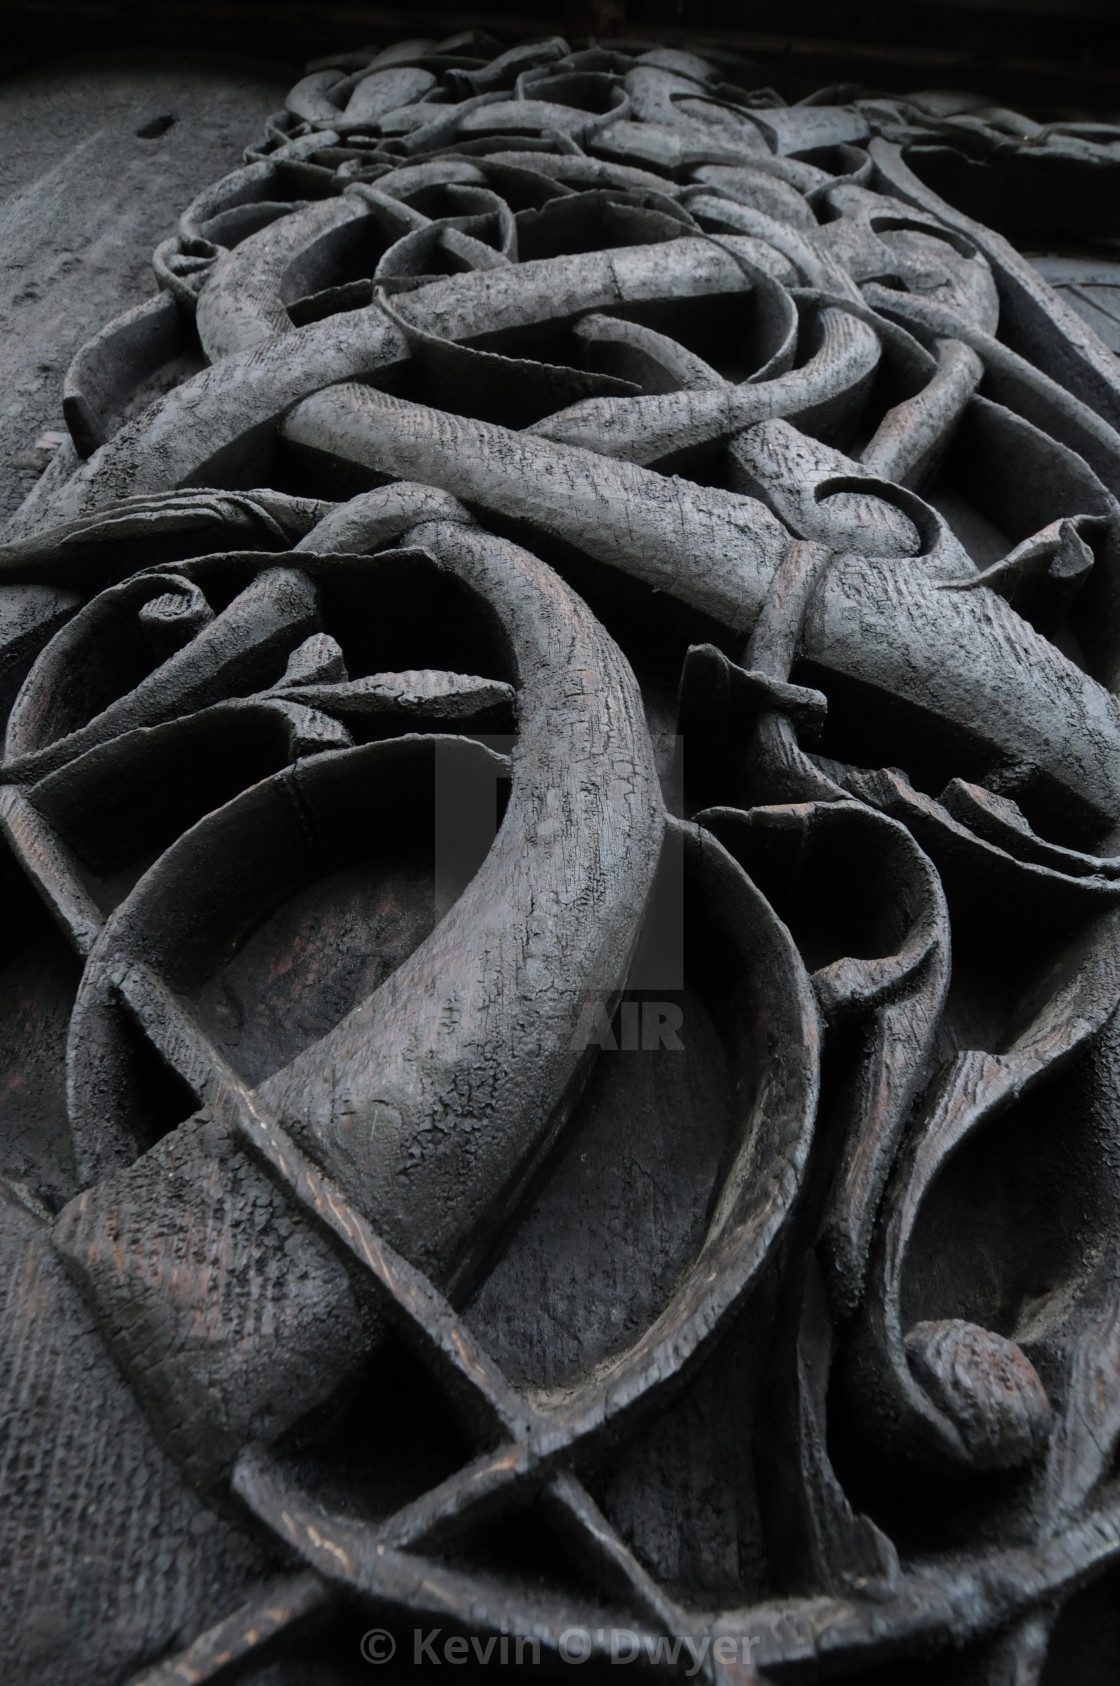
<point x="85" y="199"/>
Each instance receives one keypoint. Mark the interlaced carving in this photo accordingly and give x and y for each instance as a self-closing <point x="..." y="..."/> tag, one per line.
<point x="394" y="1232"/>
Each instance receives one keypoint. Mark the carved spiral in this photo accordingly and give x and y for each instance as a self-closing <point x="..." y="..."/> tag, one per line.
<point x="560" y="801"/>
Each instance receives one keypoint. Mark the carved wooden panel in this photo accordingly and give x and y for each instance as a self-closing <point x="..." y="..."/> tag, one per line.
<point x="558" y="1040"/>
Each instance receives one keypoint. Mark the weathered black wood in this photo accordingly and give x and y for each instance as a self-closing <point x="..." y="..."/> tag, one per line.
<point x="559" y="1057"/>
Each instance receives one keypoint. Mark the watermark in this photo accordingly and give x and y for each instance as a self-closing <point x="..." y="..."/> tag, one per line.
<point x="468" y="801"/>
<point x="644" y="1025"/>
<point x="619" y="1645"/>
<point x="378" y="1646"/>
<point x="622" y="1646"/>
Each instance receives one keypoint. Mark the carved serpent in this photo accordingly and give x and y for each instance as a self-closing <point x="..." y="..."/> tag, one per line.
<point x="560" y="407"/>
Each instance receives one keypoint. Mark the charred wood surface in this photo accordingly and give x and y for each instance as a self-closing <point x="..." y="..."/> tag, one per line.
<point x="560" y="825"/>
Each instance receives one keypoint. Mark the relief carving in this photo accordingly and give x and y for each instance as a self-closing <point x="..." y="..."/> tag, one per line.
<point x="561" y="826"/>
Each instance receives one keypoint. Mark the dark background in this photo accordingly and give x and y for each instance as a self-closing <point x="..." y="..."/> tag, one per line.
<point x="1038" y="52"/>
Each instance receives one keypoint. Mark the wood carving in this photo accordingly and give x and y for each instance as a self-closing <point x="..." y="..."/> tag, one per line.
<point x="561" y="825"/>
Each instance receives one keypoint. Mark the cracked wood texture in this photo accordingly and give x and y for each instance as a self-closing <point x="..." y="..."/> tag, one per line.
<point x="559" y="1039"/>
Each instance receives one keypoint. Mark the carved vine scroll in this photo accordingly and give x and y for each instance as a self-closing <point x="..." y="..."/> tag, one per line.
<point x="398" y="1235"/>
